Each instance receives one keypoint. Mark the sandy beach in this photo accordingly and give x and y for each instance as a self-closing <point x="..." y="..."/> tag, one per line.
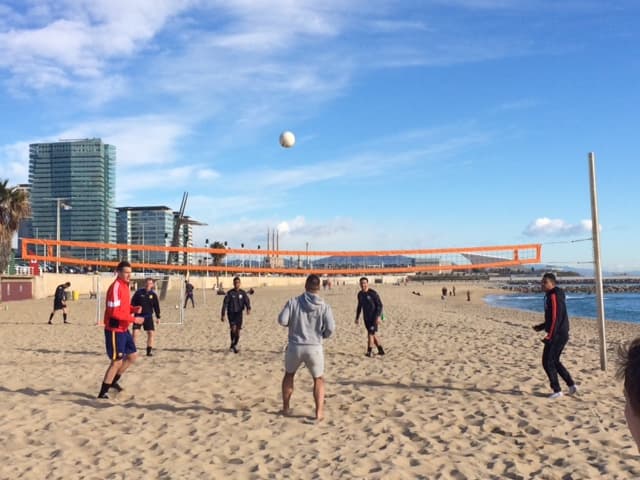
<point x="461" y="394"/>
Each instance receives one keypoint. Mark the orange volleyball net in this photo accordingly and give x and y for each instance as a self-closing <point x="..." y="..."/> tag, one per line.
<point x="283" y="262"/>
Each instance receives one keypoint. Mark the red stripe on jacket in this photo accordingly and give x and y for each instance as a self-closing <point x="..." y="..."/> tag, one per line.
<point x="118" y="306"/>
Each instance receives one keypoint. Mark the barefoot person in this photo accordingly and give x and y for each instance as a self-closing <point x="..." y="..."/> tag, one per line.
<point x="629" y="372"/>
<point x="370" y="305"/>
<point x="309" y="321"/>
<point x="118" y="315"/>
<point x="60" y="302"/>
<point x="146" y="298"/>
<point x="235" y="302"/>
<point x="556" y="324"/>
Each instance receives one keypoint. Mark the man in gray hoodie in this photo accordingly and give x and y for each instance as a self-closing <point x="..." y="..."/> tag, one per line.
<point x="309" y="321"/>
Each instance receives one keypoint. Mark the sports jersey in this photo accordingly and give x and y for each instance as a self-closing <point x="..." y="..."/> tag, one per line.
<point x="369" y="304"/>
<point x="235" y="301"/>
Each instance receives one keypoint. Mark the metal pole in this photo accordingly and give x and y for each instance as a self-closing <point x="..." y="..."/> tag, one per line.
<point x="58" y="235"/>
<point x="595" y="224"/>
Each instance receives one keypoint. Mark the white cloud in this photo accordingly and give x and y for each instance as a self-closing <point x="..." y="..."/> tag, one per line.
<point x="556" y="227"/>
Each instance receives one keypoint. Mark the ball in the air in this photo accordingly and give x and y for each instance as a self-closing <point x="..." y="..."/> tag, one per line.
<point x="287" y="139"/>
<point x="177" y="307"/>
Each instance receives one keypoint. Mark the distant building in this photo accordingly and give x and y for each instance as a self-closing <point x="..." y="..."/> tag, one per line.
<point x="153" y="226"/>
<point x="78" y="176"/>
<point x="145" y="226"/>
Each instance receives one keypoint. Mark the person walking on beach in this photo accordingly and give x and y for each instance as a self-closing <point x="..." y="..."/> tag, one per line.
<point x="629" y="372"/>
<point x="118" y="315"/>
<point x="370" y="305"/>
<point x="188" y="294"/>
<point x="235" y="302"/>
<point x="556" y="324"/>
<point x="146" y="298"/>
<point x="60" y="302"/>
<point x="309" y="321"/>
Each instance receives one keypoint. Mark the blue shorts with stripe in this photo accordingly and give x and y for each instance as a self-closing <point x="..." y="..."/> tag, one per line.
<point x="119" y="344"/>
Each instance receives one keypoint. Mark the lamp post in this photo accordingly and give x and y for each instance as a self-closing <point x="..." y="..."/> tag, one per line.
<point x="206" y="258"/>
<point x="59" y="204"/>
<point x="225" y="260"/>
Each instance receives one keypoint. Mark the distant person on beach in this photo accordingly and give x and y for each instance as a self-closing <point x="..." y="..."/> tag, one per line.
<point x="146" y="298"/>
<point x="468" y="295"/>
<point x="234" y="303"/>
<point x="629" y="372"/>
<point x="556" y="324"/>
<point x="188" y="294"/>
<point x="118" y="315"/>
<point x="309" y="321"/>
<point x="370" y="305"/>
<point x="453" y="290"/>
<point x="60" y="302"/>
<point x="444" y="293"/>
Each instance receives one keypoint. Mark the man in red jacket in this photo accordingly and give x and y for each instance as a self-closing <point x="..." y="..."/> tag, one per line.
<point x="118" y="315"/>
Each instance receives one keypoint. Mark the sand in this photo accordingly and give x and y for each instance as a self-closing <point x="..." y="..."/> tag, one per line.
<point x="460" y="394"/>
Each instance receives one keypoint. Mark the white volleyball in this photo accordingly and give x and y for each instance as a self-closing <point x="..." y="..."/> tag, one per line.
<point x="287" y="139"/>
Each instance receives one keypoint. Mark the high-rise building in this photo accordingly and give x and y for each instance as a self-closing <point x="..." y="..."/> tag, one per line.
<point x="78" y="178"/>
<point x="154" y="226"/>
<point x="145" y="226"/>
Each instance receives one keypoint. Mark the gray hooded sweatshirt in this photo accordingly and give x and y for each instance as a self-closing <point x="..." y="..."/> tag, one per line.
<point x="309" y="319"/>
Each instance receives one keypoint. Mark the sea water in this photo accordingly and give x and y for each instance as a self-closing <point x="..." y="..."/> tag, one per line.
<point x="624" y="307"/>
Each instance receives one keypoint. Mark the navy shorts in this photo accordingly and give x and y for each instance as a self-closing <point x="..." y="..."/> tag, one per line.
<point x="235" y="318"/>
<point x="371" y="326"/>
<point x="148" y="324"/>
<point x="118" y="344"/>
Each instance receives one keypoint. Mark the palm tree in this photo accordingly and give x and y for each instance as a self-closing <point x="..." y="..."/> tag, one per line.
<point x="217" y="258"/>
<point x="14" y="206"/>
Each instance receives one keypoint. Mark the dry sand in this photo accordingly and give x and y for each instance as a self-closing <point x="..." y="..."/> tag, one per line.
<point x="460" y="394"/>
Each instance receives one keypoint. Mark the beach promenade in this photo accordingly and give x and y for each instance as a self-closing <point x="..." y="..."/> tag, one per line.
<point x="461" y="394"/>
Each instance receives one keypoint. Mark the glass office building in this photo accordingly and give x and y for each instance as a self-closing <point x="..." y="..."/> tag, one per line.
<point x="79" y="177"/>
<point x="145" y="226"/>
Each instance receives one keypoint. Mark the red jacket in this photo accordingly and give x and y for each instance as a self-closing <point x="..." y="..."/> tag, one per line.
<point x="118" y="314"/>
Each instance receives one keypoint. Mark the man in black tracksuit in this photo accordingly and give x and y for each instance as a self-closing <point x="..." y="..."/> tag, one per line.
<point x="146" y="298"/>
<point x="235" y="301"/>
<point x="556" y="324"/>
<point x="60" y="302"/>
<point x="370" y="305"/>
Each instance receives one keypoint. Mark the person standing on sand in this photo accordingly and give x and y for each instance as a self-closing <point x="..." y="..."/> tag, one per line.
<point x="147" y="298"/>
<point x="370" y="305"/>
<point x="234" y="303"/>
<point x="309" y="321"/>
<point x="60" y="302"/>
<point x="556" y="324"/>
<point x="188" y="294"/>
<point x="629" y="371"/>
<point x="118" y="315"/>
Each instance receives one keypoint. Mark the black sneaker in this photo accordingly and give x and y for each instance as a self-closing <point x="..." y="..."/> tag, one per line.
<point x="49" y="322"/>
<point x="368" y="354"/>
<point x="104" y="395"/>
<point x="380" y="351"/>
<point x="149" y="354"/>
<point x="116" y="387"/>
<point x="66" y="322"/>
<point x="235" y="349"/>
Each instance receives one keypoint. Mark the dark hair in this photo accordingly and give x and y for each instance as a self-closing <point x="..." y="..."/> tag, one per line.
<point x="550" y="276"/>
<point x="629" y="371"/>
<point x="363" y="278"/>
<point x="236" y="278"/>
<point x="123" y="264"/>
<point x="312" y="282"/>
<point x="68" y="284"/>
<point x="149" y="279"/>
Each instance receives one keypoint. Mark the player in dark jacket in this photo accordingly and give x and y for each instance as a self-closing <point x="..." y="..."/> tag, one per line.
<point x="235" y="301"/>
<point x="60" y="302"/>
<point x="188" y="294"/>
<point x="556" y="324"/>
<point x="146" y="298"/>
<point x="370" y="305"/>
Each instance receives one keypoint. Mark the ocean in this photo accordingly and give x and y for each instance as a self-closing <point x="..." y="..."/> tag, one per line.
<point x="622" y="307"/>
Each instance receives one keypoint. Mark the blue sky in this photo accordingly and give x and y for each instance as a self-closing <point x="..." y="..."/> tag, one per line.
<point x="433" y="123"/>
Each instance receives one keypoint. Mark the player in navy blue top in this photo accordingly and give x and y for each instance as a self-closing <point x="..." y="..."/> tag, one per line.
<point x="147" y="298"/>
<point x="370" y="305"/>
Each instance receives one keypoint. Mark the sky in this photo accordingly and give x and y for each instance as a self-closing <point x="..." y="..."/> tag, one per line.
<point x="418" y="124"/>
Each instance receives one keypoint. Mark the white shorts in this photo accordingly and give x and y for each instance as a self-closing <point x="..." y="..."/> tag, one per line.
<point x="311" y="355"/>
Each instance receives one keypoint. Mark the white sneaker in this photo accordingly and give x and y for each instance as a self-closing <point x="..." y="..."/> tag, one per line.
<point x="555" y="395"/>
<point x="573" y="389"/>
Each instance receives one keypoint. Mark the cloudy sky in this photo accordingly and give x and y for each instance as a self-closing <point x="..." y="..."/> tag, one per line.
<point x="419" y="124"/>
